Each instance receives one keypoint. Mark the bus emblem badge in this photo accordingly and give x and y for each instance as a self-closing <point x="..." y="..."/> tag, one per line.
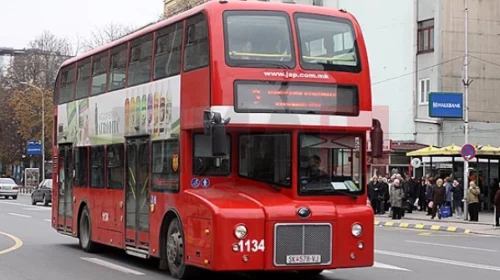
<point x="175" y="162"/>
<point x="303" y="213"/>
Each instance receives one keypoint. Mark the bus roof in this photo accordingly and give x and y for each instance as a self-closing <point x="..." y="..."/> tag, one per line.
<point x="214" y="4"/>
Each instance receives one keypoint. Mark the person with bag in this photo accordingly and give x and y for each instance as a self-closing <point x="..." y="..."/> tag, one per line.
<point x="438" y="198"/>
<point x="473" y="202"/>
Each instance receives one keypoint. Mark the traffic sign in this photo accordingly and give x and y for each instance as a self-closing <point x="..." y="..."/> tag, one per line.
<point x="416" y="162"/>
<point x="468" y="152"/>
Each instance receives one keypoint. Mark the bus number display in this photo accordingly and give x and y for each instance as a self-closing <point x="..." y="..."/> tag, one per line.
<point x="300" y="98"/>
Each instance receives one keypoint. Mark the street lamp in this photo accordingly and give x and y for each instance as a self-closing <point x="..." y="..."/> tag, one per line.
<point x="43" y="124"/>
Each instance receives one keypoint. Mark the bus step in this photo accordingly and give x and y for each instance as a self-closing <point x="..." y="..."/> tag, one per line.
<point x="137" y="252"/>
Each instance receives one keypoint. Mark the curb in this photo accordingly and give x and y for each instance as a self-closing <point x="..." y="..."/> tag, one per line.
<point x="423" y="227"/>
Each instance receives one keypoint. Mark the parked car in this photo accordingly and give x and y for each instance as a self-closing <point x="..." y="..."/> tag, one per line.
<point x="42" y="193"/>
<point x="8" y="187"/>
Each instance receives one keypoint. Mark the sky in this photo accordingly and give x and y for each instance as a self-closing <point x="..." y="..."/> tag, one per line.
<point x="23" y="20"/>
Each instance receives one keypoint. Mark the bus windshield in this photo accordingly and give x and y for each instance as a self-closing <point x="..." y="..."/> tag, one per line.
<point x="329" y="163"/>
<point x="258" y="39"/>
<point x="326" y="43"/>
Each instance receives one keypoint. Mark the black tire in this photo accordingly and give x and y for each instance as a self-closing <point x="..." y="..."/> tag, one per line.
<point x="174" y="252"/>
<point x="33" y="201"/>
<point x="306" y="274"/>
<point x="14" y="197"/>
<point x="85" y="232"/>
<point x="45" y="201"/>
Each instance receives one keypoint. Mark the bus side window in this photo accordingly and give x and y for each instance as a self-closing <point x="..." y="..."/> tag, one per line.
<point x="196" y="51"/>
<point x="115" y="166"/>
<point x="168" y="51"/>
<point x="97" y="167"/>
<point x="204" y="163"/>
<point x="117" y="67"/>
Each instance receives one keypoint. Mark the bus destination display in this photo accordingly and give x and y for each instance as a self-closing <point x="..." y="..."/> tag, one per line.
<point x="301" y="98"/>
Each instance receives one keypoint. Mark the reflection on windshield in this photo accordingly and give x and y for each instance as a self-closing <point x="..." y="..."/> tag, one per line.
<point x="266" y="158"/>
<point x="257" y="36"/>
<point x="329" y="163"/>
<point x="326" y="42"/>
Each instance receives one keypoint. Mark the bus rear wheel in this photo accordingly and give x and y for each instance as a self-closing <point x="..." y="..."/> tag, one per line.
<point x="175" y="250"/>
<point x="85" y="232"/>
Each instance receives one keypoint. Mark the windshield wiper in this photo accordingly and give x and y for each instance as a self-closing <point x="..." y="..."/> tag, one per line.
<point x="264" y="64"/>
<point x="325" y="190"/>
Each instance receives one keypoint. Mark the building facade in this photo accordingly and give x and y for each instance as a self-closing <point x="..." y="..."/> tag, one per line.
<point x="441" y="27"/>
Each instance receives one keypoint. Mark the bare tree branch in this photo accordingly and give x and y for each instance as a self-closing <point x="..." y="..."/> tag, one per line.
<point x="105" y="35"/>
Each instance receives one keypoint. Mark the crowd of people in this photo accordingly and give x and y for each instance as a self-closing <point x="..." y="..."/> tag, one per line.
<point x="399" y="195"/>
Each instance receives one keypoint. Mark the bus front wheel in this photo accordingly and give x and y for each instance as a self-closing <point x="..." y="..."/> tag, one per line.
<point x="175" y="250"/>
<point x="85" y="232"/>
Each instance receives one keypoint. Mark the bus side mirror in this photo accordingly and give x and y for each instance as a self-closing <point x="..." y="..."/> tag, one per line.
<point x="215" y="126"/>
<point x="377" y="139"/>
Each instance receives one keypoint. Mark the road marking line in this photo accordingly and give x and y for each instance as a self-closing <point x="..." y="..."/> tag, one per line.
<point x="19" y="215"/>
<point x="436" y="260"/>
<point x="37" y="209"/>
<point x="387" y="266"/>
<point x="112" y="266"/>
<point x="450" y="246"/>
<point x="18" y="243"/>
<point x="48" y="220"/>
<point x="378" y="265"/>
<point x="14" y="203"/>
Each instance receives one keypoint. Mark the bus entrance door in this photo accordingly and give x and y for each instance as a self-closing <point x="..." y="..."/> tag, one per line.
<point x="65" y="190"/>
<point x="137" y="204"/>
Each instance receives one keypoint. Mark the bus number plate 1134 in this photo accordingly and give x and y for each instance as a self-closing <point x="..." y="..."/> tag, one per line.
<point x="303" y="259"/>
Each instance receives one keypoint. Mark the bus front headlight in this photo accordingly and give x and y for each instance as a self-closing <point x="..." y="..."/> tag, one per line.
<point x="357" y="230"/>
<point x="240" y="231"/>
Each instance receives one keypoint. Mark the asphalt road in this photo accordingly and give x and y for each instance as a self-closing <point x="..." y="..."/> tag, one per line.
<point x="31" y="250"/>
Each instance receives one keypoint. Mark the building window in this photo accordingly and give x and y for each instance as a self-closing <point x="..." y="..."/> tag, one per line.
<point x="424" y="90"/>
<point x="426" y="36"/>
<point x="317" y="2"/>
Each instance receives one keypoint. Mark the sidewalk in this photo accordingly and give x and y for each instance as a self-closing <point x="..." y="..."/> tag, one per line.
<point x="419" y="220"/>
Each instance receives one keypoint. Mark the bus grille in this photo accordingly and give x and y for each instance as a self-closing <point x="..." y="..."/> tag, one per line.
<point x="302" y="239"/>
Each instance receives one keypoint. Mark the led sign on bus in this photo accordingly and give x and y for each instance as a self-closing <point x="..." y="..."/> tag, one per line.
<point x="300" y="98"/>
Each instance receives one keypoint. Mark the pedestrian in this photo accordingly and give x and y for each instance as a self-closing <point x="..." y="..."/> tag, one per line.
<point x="473" y="202"/>
<point x="438" y="198"/>
<point x="458" y="196"/>
<point x="373" y="194"/>
<point x="383" y="194"/>
<point x="397" y="194"/>
<point x="428" y="194"/>
<point x="448" y="184"/>
<point x="496" y="204"/>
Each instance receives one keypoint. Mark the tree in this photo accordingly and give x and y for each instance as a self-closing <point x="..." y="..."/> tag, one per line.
<point x="27" y="111"/>
<point x="12" y="144"/>
<point x="105" y="35"/>
<point x="20" y="118"/>
<point x="40" y="63"/>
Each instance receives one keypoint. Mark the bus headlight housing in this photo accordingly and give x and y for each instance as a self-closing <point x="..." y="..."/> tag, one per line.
<point x="240" y="231"/>
<point x="357" y="230"/>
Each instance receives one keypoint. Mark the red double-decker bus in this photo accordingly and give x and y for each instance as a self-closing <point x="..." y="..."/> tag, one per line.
<point x="231" y="137"/>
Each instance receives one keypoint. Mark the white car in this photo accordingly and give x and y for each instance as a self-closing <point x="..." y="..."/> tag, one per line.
<point x="8" y="188"/>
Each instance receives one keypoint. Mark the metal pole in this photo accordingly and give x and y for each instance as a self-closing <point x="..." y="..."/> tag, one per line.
<point x="43" y="133"/>
<point x="466" y="105"/>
